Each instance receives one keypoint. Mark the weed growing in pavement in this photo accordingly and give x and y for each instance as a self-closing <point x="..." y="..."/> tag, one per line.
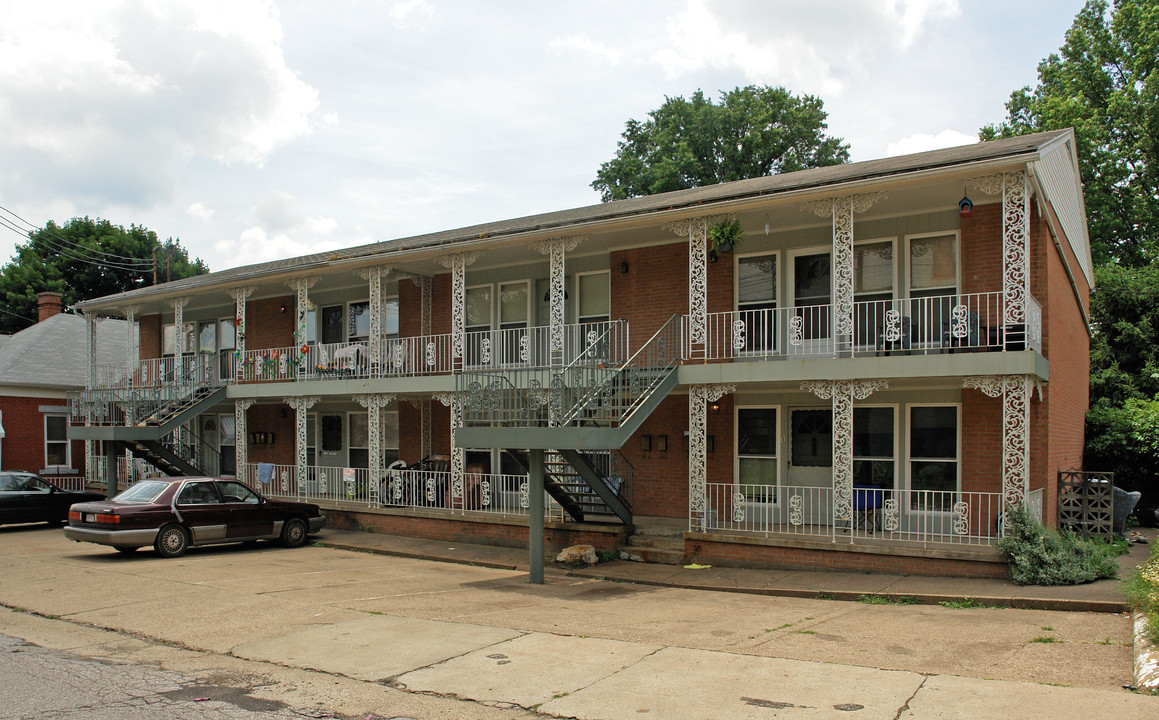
<point x="805" y="632"/>
<point x="965" y="603"/>
<point x="875" y="599"/>
<point x="1048" y="628"/>
<point x="1045" y="639"/>
<point x="608" y="555"/>
<point x="824" y="596"/>
<point x="319" y="543"/>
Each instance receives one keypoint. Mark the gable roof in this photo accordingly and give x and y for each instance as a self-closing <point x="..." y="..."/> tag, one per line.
<point x="1024" y="147"/>
<point x="52" y="353"/>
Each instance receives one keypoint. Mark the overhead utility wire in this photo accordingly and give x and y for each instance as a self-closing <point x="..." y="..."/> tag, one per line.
<point x="143" y="266"/>
<point x="44" y="232"/>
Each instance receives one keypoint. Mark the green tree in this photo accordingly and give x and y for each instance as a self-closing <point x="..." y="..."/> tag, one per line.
<point x="1125" y="347"/>
<point x="84" y="259"/>
<point x="753" y="132"/>
<point x="1103" y="83"/>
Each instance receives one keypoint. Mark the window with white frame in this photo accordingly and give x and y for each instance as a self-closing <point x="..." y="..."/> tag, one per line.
<point x="933" y="456"/>
<point x="227" y="444"/>
<point x="478" y="323"/>
<point x="57" y="453"/>
<point x="169" y="347"/>
<point x="873" y="447"/>
<point x="756" y="302"/>
<point x="358" y="321"/>
<point x="390" y="317"/>
<point x="933" y="284"/>
<point x="756" y="449"/>
<point x="359" y="454"/>
<point x="514" y="313"/>
<point x="595" y="302"/>
<point x="873" y="281"/>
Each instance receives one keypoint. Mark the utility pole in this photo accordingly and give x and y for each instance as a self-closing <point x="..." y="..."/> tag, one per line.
<point x="168" y="262"/>
<point x="154" y="266"/>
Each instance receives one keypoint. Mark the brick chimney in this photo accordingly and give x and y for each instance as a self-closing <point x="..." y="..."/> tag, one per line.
<point x="49" y="304"/>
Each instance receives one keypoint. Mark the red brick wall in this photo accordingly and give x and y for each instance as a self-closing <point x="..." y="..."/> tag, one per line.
<point x="410" y="318"/>
<point x="278" y="419"/>
<point x="654" y="289"/>
<point x="23" y="444"/>
<point x="981" y="249"/>
<point x="149" y="337"/>
<point x="266" y="326"/>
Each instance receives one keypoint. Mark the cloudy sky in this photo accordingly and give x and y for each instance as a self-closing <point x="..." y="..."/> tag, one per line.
<point x="261" y="129"/>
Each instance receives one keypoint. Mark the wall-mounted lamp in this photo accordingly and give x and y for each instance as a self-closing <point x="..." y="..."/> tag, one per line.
<point x="715" y="408"/>
<point x="282" y="309"/>
<point x="645" y="443"/>
<point x="624" y="266"/>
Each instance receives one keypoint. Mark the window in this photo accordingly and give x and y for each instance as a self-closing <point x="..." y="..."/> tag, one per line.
<point x="207" y="337"/>
<point x="756" y="294"/>
<point x="390" y="317"/>
<point x="56" y="445"/>
<point x="514" y="311"/>
<point x="478" y="322"/>
<point x="757" y="453"/>
<point x="872" y="289"/>
<point x="167" y="345"/>
<point x="595" y="304"/>
<point x="933" y="265"/>
<point x="333" y="324"/>
<point x="227" y="444"/>
<point x="331" y="433"/>
<point x="933" y="456"/>
<point x="389" y="436"/>
<point x="359" y="456"/>
<point x="226" y="333"/>
<point x="873" y="447"/>
<point x="358" y="321"/>
<point x="812" y="296"/>
<point x="198" y="493"/>
<point x="812" y="438"/>
<point x="311" y="440"/>
<point x="235" y="492"/>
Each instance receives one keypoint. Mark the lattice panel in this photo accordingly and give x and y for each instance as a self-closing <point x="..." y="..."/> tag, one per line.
<point x="1086" y="502"/>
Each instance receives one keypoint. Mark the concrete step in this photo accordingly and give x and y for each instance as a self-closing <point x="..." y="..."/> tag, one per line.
<point x="655" y="542"/>
<point x="659" y="526"/>
<point x="652" y="555"/>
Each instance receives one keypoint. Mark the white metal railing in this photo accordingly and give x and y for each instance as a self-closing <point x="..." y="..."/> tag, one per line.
<point x="395" y="357"/>
<point x="1034" y="504"/>
<point x="964" y="518"/>
<point x="486" y="493"/>
<point x="909" y="326"/>
<point x="600" y="342"/>
<point x="156" y="372"/>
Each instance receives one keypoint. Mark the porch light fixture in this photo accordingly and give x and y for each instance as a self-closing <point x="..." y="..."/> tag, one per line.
<point x="965" y="205"/>
<point x="715" y="408"/>
<point x="645" y="443"/>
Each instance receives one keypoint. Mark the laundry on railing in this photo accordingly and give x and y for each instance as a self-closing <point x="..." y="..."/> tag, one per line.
<point x="265" y="472"/>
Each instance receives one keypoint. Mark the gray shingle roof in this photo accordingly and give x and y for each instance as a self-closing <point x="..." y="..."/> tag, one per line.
<point x="51" y="354"/>
<point x="816" y="178"/>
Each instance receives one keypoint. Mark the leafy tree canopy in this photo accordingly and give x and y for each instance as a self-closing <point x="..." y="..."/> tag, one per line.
<point x="753" y="132"/>
<point x="1103" y="83"/>
<point x="1125" y="347"/>
<point x="85" y="259"/>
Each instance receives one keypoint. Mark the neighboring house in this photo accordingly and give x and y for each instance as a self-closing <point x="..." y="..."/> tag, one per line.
<point x="867" y="382"/>
<point x="38" y="365"/>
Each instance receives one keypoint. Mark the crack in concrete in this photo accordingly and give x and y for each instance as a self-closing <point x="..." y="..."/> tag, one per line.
<point x="905" y="706"/>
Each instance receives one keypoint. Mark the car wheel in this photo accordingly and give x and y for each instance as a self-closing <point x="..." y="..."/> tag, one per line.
<point x="127" y="550"/>
<point x="294" y="533"/>
<point x="172" y="541"/>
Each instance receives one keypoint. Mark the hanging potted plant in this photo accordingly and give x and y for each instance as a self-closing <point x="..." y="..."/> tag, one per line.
<point x="725" y="235"/>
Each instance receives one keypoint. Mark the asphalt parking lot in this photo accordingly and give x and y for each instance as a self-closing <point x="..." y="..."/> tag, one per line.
<point x="575" y="646"/>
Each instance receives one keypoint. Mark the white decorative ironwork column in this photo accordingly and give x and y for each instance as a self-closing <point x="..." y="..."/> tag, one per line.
<point x="1015" y="393"/>
<point x="698" y="398"/>
<point x="131" y="337"/>
<point x="301" y="287"/>
<point x="842" y="393"/>
<point x="241" y="452"/>
<point x="841" y="210"/>
<point x="1015" y="192"/>
<point x="696" y="230"/>
<point x="374" y="405"/>
<point x="375" y="275"/>
<point x="179" y="327"/>
<point x="556" y="249"/>
<point x="451" y="400"/>
<point x="239" y="295"/>
<point x="301" y="405"/>
<point x="90" y="349"/>
<point x="457" y="263"/>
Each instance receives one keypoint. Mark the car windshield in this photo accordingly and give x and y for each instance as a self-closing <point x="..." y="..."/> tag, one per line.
<point x="145" y="491"/>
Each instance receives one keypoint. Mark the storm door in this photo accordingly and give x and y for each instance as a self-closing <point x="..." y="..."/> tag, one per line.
<point x="810" y="331"/>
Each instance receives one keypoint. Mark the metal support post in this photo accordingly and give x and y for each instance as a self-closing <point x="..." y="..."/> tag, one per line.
<point x="535" y="517"/>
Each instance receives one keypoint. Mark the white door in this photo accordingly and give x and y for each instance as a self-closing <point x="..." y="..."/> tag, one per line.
<point x="810" y="329"/>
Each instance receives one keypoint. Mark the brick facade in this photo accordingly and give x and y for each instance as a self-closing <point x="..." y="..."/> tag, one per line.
<point x="23" y="443"/>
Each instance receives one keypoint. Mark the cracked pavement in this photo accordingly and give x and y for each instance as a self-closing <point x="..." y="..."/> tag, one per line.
<point x="355" y="635"/>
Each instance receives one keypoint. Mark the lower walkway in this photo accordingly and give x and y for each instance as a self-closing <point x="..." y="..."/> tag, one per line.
<point x="1101" y="596"/>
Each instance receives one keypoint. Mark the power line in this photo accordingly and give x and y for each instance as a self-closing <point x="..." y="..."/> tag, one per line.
<point x="44" y="232"/>
<point x="75" y="252"/>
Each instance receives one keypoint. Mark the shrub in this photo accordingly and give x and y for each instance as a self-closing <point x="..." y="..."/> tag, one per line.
<point x="1142" y="591"/>
<point x="1040" y="556"/>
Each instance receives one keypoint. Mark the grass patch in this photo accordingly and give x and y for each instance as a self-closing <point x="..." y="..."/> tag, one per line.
<point x="875" y="599"/>
<point x="1045" y="639"/>
<point x="824" y="596"/>
<point x="1041" y="556"/>
<point x="805" y="632"/>
<point x="965" y="603"/>
<point x="1142" y="592"/>
<point x="319" y="543"/>
<point x="1048" y="628"/>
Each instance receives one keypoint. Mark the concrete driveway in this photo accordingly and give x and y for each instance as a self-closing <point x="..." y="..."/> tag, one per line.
<point x="575" y="647"/>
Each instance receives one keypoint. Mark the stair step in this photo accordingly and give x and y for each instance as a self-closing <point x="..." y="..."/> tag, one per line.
<point x="655" y="542"/>
<point x="653" y="555"/>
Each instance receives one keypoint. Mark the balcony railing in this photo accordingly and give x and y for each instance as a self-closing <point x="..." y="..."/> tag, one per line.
<point x="596" y="342"/>
<point x="483" y="493"/>
<point x="965" y="322"/>
<point x="962" y="518"/>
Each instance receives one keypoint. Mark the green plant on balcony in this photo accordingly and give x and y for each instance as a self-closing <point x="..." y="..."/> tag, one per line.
<point x="725" y="235"/>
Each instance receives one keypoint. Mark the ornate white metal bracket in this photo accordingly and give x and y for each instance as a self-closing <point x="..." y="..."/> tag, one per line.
<point x="241" y="437"/>
<point x="457" y="263"/>
<point x="556" y="249"/>
<point x="300" y="405"/>
<point x="696" y="230"/>
<point x="698" y="397"/>
<point x="458" y="454"/>
<point x="239" y="295"/>
<point x="1016" y="191"/>
<point x="374" y="405"/>
<point x="1015" y="393"/>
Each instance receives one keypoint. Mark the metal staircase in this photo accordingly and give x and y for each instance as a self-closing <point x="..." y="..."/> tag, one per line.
<point x="582" y="413"/>
<point x="143" y="417"/>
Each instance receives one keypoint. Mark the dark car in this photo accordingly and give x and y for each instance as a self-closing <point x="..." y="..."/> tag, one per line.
<point x="28" y="498"/>
<point x="171" y="514"/>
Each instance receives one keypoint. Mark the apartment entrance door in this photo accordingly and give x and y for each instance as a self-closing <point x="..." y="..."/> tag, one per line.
<point x="810" y="329"/>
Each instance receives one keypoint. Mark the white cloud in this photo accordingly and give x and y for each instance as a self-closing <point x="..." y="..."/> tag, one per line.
<point x="90" y="90"/>
<point x="586" y="45"/>
<point x="402" y="12"/>
<point x="919" y="142"/>
<point x="199" y="211"/>
<point x="914" y="15"/>
<point x="255" y="245"/>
